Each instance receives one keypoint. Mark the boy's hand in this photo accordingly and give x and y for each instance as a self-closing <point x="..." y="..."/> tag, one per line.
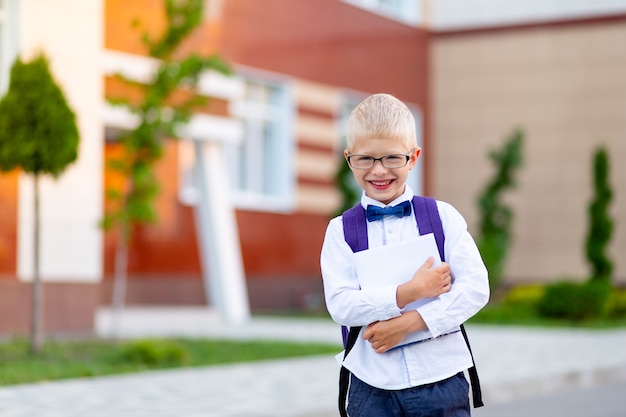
<point x="426" y="282"/>
<point x="384" y="335"/>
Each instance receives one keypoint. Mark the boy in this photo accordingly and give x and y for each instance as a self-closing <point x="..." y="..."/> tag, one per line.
<point x="417" y="379"/>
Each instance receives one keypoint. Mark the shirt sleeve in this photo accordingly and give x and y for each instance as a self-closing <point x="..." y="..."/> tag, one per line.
<point x="470" y="285"/>
<point x="347" y="303"/>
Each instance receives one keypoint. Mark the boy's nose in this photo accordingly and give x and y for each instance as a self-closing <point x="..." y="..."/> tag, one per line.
<point x="378" y="166"/>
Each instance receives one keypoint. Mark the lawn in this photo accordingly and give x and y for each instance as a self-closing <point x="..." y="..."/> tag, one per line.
<point x="520" y="306"/>
<point x="88" y="358"/>
<point x="526" y="315"/>
<point x="96" y="357"/>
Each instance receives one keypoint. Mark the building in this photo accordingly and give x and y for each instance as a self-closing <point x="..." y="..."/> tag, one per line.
<point x="556" y="71"/>
<point x="471" y="73"/>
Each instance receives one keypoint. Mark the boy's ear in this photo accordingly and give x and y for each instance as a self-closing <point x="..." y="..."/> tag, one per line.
<point x="346" y="154"/>
<point x="414" y="156"/>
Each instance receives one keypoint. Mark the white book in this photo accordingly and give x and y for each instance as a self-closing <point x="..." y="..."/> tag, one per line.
<point x="396" y="264"/>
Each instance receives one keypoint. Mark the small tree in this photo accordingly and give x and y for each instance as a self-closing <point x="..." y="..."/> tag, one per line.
<point x="37" y="134"/>
<point x="496" y="218"/>
<point x="160" y="115"/>
<point x="573" y="301"/>
<point x="600" y="222"/>
<point x="347" y="186"/>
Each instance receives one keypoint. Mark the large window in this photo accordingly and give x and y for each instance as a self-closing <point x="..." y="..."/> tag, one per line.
<point x="3" y="74"/>
<point x="262" y="167"/>
<point x="406" y="11"/>
<point x="8" y="40"/>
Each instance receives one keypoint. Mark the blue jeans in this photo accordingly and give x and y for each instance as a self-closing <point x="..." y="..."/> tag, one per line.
<point x="447" y="398"/>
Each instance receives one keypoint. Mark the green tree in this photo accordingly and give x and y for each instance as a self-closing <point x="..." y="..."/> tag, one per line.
<point x="37" y="134"/>
<point x="600" y="222"/>
<point x="496" y="218"/>
<point x="160" y="117"/>
<point x="348" y="187"/>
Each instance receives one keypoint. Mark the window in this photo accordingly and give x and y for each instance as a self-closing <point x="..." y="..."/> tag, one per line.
<point x="406" y="11"/>
<point x="8" y="40"/>
<point x="261" y="167"/>
<point x="3" y="71"/>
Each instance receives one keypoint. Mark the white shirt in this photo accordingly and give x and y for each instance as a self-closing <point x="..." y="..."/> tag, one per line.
<point x="349" y="305"/>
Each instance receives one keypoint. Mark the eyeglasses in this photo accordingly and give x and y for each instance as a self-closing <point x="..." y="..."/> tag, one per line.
<point x="397" y="160"/>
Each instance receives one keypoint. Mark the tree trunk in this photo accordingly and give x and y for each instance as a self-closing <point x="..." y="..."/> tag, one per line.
<point x="119" y="284"/>
<point x="36" y="340"/>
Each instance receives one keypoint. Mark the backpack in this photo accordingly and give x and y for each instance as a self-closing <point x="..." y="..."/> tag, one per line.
<point x="355" y="234"/>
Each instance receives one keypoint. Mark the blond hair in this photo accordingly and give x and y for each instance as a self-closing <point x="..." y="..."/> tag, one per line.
<point x="381" y="116"/>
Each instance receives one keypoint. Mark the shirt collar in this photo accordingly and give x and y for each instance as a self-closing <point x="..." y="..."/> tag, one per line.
<point x="407" y="195"/>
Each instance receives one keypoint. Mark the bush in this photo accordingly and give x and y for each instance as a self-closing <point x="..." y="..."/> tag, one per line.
<point x="154" y="352"/>
<point x="525" y="295"/>
<point x="573" y="301"/>
<point x="617" y="304"/>
<point x="600" y="221"/>
<point x="496" y="217"/>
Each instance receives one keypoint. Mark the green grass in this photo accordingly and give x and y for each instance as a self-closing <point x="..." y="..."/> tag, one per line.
<point x="527" y="316"/>
<point x="97" y="357"/>
<point x="72" y="359"/>
<point x="520" y="306"/>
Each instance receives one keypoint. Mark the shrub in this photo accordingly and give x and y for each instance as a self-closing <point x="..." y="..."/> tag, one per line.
<point x="573" y="301"/>
<point x="600" y="221"/>
<point x="525" y="295"/>
<point x="617" y="304"/>
<point x="154" y="352"/>
<point x="496" y="218"/>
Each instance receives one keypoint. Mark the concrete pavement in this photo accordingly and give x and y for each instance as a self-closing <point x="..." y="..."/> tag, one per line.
<point x="513" y="364"/>
<point x="605" y="400"/>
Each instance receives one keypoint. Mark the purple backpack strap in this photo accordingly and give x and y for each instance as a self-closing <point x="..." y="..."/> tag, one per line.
<point x="355" y="228"/>
<point x="428" y="220"/>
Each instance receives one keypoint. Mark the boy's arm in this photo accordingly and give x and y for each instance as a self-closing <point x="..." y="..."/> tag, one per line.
<point x="427" y="282"/>
<point x="384" y="335"/>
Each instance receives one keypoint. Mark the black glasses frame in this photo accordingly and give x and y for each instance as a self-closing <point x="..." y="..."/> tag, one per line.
<point x="382" y="160"/>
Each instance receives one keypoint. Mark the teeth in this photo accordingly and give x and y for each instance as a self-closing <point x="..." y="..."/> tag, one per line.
<point x="380" y="183"/>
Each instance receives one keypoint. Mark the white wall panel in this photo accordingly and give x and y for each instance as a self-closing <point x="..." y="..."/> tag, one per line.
<point x="463" y="14"/>
<point x="70" y="33"/>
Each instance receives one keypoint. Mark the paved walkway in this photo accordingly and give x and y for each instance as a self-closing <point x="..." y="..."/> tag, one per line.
<point x="513" y="363"/>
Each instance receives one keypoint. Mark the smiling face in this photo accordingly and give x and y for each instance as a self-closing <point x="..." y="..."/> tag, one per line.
<point x="380" y="183"/>
<point x="379" y="126"/>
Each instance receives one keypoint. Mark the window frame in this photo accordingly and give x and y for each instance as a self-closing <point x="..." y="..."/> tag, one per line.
<point x="3" y="48"/>
<point x="282" y="176"/>
<point x="405" y="11"/>
<point x="9" y="40"/>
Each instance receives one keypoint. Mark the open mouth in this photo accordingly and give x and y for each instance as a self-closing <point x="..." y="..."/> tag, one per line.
<point x="381" y="184"/>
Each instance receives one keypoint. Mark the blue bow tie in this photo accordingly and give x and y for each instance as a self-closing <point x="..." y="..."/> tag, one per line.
<point x="377" y="213"/>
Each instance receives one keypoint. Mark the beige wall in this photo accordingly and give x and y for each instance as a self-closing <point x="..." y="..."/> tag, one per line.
<point x="69" y="32"/>
<point x="565" y="86"/>
<point x="317" y="136"/>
